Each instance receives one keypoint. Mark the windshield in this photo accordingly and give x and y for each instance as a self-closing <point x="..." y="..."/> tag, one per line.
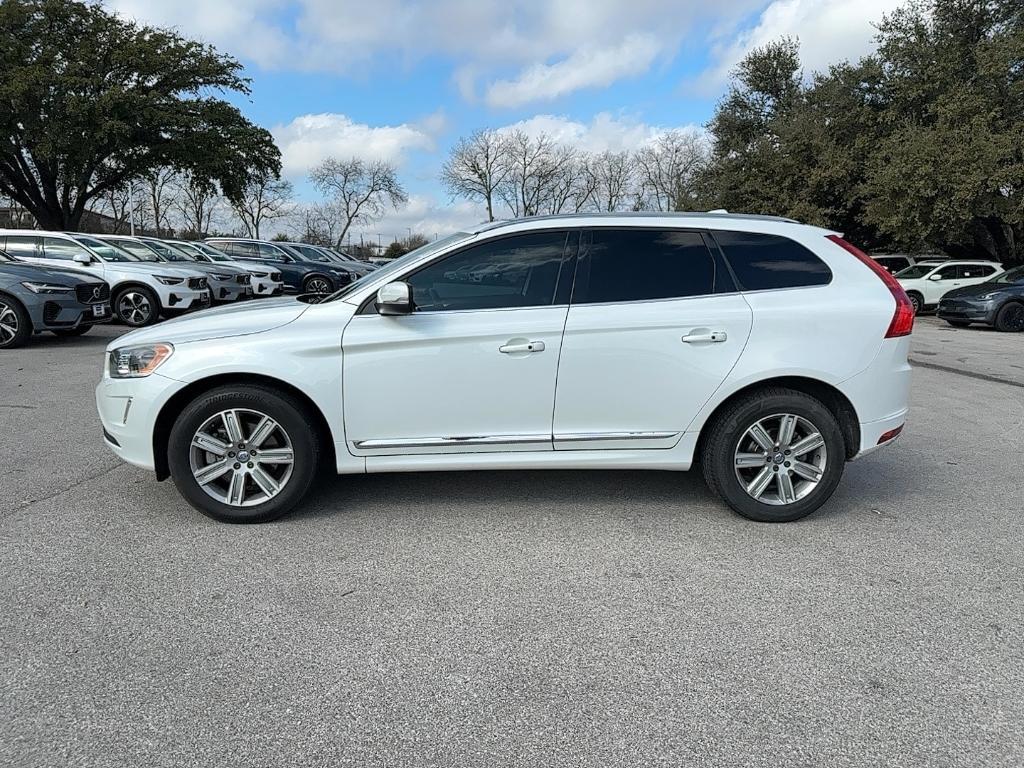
<point x="308" y="253"/>
<point x="213" y="253"/>
<point x="400" y="263"/>
<point x="1015" y="275"/>
<point x="169" y="252"/>
<point x="105" y="250"/>
<point x="137" y="249"/>
<point x="918" y="270"/>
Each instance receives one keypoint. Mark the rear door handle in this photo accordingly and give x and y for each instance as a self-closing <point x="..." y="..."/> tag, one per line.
<point x="526" y="346"/>
<point x="706" y="337"/>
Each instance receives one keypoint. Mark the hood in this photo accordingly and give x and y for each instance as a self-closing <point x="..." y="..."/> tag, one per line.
<point x="219" y="323"/>
<point x="26" y="271"/>
<point x="155" y="268"/>
<point x="979" y="289"/>
<point x="209" y="269"/>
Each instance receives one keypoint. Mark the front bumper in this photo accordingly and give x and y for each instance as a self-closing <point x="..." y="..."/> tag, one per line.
<point x="224" y="291"/>
<point x="128" y="409"/>
<point x="264" y="286"/>
<point x="60" y="312"/>
<point x="184" y="299"/>
<point x="967" y="310"/>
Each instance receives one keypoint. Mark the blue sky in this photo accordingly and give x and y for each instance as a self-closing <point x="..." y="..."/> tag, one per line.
<point x="402" y="80"/>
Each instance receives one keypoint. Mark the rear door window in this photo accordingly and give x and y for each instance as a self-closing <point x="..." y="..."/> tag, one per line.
<point x="770" y="262"/>
<point x="620" y="265"/>
<point x="975" y="270"/>
<point x="24" y="246"/>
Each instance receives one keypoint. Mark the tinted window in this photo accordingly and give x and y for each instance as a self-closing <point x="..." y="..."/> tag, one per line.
<point x="643" y="264"/>
<point x="948" y="273"/>
<point x="517" y="271"/>
<point x="136" y="249"/>
<point x="893" y="264"/>
<point x="765" y="262"/>
<point x="23" y="246"/>
<point x="268" y="252"/>
<point x="65" y="250"/>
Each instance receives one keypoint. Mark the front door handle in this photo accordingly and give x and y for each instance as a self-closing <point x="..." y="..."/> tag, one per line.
<point x="705" y="337"/>
<point x="525" y="346"/>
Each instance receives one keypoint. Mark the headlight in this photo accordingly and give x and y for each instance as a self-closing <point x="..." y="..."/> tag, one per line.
<point x="220" y="277"/>
<point x="47" y="288"/>
<point x="170" y="280"/>
<point x="136" y="362"/>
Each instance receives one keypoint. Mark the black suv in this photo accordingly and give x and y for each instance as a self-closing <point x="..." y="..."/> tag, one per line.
<point x="300" y="274"/>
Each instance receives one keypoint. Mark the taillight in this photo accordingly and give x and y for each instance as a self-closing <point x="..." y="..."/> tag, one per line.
<point x="903" y="318"/>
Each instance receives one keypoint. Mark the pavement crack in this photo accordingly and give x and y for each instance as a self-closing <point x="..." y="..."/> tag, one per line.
<point x="22" y="505"/>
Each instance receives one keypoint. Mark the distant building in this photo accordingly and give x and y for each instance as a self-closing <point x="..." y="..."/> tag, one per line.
<point x="96" y="223"/>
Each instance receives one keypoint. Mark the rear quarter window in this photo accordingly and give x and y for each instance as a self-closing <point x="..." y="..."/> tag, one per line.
<point x="769" y="262"/>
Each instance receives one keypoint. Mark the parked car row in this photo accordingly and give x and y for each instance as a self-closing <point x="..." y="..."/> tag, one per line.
<point x="49" y="280"/>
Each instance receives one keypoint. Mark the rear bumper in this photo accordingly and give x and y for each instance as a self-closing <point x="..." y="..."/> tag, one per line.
<point x="872" y="431"/>
<point x="880" y="394"/>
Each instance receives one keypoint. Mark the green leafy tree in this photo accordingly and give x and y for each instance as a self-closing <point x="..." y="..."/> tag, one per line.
<point x="949" y="170"/>
<point x="90" y="100"/>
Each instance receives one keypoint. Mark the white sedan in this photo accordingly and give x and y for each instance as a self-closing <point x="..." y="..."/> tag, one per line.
<point x="928" y="281"/>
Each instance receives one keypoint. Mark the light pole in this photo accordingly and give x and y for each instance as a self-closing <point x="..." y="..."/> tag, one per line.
<point x="131" y="206"/>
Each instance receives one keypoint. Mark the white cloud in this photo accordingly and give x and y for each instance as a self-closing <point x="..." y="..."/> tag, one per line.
<point x="829" y="31"/>
<point x="603" y="132"/>
<point x="308" y="139"/>
<point x="587" y="67"/>
<point x="531" y="49"/>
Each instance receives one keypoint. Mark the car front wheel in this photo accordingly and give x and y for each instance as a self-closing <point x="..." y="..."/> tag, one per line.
<point x="136" y="306"/>
<point x="1010" y="319"/>
<point x="317" y="284"/>
<point x="15" y="324"/>
<point x="917" y="301"/>
<point x="244" y="454"/>
<point x="774" y="456"/>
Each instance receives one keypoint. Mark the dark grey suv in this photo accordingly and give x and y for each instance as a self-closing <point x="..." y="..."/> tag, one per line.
<point x="35" y="299"/>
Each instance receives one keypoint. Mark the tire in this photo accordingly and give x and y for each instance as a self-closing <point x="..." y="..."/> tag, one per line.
<point x="79" y="331"/>
<point x="958" y="323"/>
<point x="136" y="306"/>
<point x="730" y="440"/>
<point x="250" y="404"/>
<point x="1010" y="317"/>
<point x="917" y="300"/>
<point x="15" y="324"/>
<point x="317" y="284"/>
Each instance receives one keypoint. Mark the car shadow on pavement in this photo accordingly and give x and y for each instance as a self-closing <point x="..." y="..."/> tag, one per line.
<point x="427" y="492"/>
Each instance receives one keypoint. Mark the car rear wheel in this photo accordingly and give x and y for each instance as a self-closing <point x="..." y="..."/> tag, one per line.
<point x="15" y="324"/>
<point x="774" y="456"/>
<point x="79" y="331"/>
<point x="917" y="301"/>
<point x="136" y="306"/>
<point x="1010" y="318"/>
<point x="317" y="284"/>
<point x="244" y="454"/>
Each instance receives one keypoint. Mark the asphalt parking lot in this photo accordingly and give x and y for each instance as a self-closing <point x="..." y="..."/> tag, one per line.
<point x="517" y="618"/>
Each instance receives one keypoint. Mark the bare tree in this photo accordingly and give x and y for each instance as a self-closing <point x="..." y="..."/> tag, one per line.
<point x="156" y="192"/>
<point x="361" y="190"/>
<point x="612" y="180"/>
<point x="198" y="201"/>
<point x="266" y="199"/>
<point x="320" y="224"/>
<point x="116" y="203"/>
<point x="533" y="166"/>
<point x="668" y="168"/>
<point x="476" y="167"/>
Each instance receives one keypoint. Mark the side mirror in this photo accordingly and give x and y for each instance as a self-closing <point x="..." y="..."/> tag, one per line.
<point x="82" y="258"/>
<point x="936" y="278"/>
<point x="394" y="299"/>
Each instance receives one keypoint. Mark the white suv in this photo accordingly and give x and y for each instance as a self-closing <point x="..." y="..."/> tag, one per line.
<point x="768" y="351"/>
<point x="928" y="281"/>
<point x="139" y="291"/>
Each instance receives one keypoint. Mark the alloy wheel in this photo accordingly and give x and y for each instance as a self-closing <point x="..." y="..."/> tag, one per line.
<point x="318" y="285"/>
<point x="241" y="457"/>
<point x="780" y="459"/>
<point x="134" y="308"/>
<point x="1012" y="317"/>
<point x="8" y="323"/>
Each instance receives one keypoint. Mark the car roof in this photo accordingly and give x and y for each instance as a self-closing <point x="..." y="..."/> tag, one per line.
<point x="706" y="220"/>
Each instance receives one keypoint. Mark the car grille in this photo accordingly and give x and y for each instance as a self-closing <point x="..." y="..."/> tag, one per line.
<point x="92" y="293"/>
<point x="259" y="274"/>
<point x="275" y="276"/>
<point x="197" y="283"/>
<point x="244" y="279"/>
